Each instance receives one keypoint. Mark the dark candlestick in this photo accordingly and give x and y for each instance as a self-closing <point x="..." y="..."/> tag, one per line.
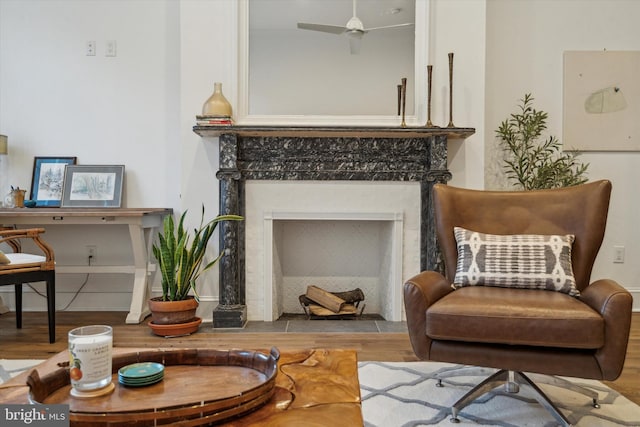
<point x="451" y="125"/>
<point x="404" y="100"/>
<point x="429" y="74"/>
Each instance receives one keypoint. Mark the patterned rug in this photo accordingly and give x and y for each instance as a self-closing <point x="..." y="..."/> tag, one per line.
<point x="405" y="394"/>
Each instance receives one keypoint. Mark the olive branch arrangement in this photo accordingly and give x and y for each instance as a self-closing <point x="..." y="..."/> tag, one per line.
<point x="531" y="163"/>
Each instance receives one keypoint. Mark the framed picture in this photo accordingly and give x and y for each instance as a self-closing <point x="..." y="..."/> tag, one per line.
<point x="47" y="180"/>
<point x="601" y="101"/>
<point x="92" y="186"/>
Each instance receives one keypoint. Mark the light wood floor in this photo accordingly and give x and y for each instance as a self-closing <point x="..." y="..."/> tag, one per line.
<point x="32" y="342"/>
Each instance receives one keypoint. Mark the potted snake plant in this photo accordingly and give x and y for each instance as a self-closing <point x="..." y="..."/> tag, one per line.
<point x="180" y="255"/>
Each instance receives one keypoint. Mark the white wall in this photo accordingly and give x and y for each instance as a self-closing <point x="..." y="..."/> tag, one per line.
<point x="56" y="101"/>
<point x="207" y="49"/>
<point x="458" y="26"/>
<point x="525" y="43"/>
<point x="138" y="108"/>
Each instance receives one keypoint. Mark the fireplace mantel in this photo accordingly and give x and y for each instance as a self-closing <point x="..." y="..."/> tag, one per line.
<point x="319" y="153"/>
<point x="334" y="131"/>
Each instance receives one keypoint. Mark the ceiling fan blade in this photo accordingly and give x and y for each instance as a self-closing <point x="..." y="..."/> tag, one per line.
<point x="333" y="29"/>
<point x="408" y="24"/>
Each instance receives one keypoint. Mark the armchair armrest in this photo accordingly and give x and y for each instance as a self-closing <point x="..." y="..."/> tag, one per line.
<point x="14" y="237"/>
<point x="614" y="303"/>
<point x="420" y="292"/>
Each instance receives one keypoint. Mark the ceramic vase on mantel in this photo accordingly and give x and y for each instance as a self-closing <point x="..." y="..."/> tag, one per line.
<point x="217" y="104"/>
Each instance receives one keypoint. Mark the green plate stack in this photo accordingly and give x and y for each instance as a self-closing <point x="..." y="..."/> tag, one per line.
<point x="141" y="374"/>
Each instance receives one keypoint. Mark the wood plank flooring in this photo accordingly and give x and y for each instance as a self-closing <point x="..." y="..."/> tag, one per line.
<point x="31" y="342"/>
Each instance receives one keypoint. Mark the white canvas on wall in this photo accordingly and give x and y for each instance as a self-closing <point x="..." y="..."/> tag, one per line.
<point x="601" y="101"/>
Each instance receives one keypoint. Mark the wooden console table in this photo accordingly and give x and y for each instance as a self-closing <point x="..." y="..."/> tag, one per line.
<point x="142" y="224"/>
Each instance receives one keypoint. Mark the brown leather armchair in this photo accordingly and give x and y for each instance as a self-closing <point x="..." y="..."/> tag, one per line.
<point x="521" y="330"/>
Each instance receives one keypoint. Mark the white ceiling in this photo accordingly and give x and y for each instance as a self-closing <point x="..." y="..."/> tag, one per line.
<point x="284" y="14"/>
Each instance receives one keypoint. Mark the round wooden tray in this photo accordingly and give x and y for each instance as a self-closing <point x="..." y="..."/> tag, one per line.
<point x="200" y="386"/>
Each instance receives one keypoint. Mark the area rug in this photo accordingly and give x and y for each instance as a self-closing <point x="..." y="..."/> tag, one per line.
<point x="405" y="394"/>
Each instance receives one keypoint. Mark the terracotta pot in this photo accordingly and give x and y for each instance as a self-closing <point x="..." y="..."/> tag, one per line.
<point x="172" y="312"/>
<point x="178" y="329"/>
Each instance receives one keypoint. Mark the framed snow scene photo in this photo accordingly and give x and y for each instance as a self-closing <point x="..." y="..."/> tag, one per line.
<point x="47" y="180"/>
<point x="93" y="186"/>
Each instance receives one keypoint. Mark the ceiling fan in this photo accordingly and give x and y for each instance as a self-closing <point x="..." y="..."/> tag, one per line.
<point x="354" y="29"/>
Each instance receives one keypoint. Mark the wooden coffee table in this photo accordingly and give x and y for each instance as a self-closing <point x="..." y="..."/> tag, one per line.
<point x="312" y="386"/>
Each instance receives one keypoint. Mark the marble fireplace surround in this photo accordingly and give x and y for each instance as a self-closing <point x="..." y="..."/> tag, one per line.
<point x="319" y="153"/>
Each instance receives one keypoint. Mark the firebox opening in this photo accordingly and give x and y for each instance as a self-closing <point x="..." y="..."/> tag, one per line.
<point x="338" y="256"/>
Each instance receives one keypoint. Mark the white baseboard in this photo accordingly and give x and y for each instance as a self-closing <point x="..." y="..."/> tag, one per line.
<point x="635" y="292"/>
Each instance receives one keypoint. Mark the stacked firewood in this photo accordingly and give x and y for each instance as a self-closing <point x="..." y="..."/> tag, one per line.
<point x="321" y="303"/>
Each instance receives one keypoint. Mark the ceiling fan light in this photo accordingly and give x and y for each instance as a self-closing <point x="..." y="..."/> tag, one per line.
<point x="355" y="24"/>
<point x="354" y="45"/>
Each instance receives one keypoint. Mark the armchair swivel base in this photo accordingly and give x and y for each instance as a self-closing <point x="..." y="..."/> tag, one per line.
<point x="512" y="381"/>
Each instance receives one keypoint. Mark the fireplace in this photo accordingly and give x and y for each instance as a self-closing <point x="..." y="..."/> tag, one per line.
<point x="293" y="240"/>
<point x="412" y="159"/>
<point x="337" y="253"/>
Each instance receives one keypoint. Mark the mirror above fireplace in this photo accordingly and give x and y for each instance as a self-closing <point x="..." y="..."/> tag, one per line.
<point x="289" y="75"/>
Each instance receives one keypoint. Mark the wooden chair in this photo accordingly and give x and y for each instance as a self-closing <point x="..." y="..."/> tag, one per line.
<point x="17" y="268"/>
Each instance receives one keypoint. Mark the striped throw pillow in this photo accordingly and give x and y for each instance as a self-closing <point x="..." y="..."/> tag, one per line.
<point x="526" y="261"/>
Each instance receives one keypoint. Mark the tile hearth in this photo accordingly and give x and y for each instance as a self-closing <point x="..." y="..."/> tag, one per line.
<point x="316" y="326"/>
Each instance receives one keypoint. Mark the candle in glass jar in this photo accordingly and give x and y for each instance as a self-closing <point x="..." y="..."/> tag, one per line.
<point x="90" y="357"/>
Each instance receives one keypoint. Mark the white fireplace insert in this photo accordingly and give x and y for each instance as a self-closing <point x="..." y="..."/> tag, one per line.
<point x="336" y="235"/>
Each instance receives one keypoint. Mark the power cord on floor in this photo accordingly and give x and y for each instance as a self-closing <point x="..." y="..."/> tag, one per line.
<point x="86" y="280"/>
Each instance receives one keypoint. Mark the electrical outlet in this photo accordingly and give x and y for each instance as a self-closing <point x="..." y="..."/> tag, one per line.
<point x="90" y="48"/>
<point x="92" y="252"/>
<point x="618" y="254"/>
<point x="111" y="49"/>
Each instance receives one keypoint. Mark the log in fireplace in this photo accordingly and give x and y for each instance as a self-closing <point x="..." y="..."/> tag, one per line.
<point x="322" y="153"/>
